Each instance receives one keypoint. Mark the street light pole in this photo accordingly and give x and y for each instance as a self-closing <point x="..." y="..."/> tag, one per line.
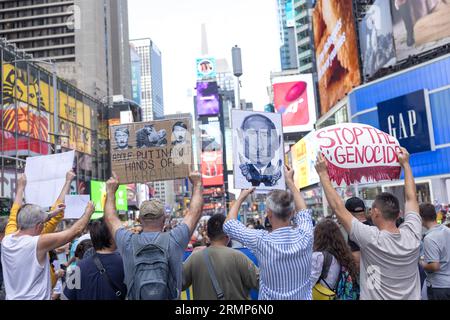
<point x="237" y="71"/>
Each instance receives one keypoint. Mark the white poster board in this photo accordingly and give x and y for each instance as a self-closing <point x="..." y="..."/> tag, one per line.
<point x="75" y="206"/>
<point x="46" y="176"/>
<point x="358" y="153"/>
<point x="258" y="150"/>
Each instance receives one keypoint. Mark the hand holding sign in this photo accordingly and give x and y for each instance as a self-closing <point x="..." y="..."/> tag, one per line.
<point x="403" y="156"/>
<point x="289" y="174"/>
<point x="90" y="208"/>
<point x="321" y="165"/>
<point x="70" y="176"/>
<point x="22" y="181"/>
<point x="245" y="193"/>
<point x="195" y="178"/>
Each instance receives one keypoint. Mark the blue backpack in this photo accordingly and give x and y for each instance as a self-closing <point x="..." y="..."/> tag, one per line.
<point x="152" y="278"/>
<point x="347" y="288"/>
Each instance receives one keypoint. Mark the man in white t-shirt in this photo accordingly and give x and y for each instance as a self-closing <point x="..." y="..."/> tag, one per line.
<point x="389" y="254"/>
<point x="26" y="267"/>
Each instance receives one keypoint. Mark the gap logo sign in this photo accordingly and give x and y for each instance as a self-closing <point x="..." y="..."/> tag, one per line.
<point x="408" y="118"/>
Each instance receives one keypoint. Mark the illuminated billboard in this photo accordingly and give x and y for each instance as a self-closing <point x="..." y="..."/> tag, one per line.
<point x="336" y="51"/>
<point x="212" y="168"/>
<point x="208" y="103"/>
<point x="420" y="26"/>
<point x="376" y="38"/>
<point x="206" y="69"/>
<point x="211" y="136"/>
<point x="294" y="100"/>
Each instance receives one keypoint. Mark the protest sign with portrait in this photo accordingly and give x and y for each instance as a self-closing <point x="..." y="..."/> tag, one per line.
<point x="152" y="151"/>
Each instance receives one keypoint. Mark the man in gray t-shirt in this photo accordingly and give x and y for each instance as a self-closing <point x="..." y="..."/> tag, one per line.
<point x="152" y="218"/>
<point x="389" y="254"/>
<point x="436" y="262"/>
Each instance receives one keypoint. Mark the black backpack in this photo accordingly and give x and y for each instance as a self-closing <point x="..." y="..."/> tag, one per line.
<point x="152" y="278"/>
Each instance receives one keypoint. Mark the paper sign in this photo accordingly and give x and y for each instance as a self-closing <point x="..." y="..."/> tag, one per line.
<point x="358" y="153"/>
<point x="258" y="150"/>
<point x="46" y="176"/>
<point x="75" y="206"/>
<point x="152" y="151"/>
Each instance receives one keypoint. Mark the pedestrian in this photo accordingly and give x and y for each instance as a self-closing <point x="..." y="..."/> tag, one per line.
<point x="153" y="260"/>
<point x="219" y="272"/>
<point x="357" y="208"/>
<point x="284" y="254"/>
<point x="25" y="253"/>
<point x="54" y="219"/>
<point x="102" y="275"/>
<point x="389" y="254"/>
<point x="332" y="258"/>
<point x="436" y="262"/>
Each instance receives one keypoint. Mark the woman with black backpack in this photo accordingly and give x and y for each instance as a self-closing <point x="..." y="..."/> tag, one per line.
<point x="334" y="273"/>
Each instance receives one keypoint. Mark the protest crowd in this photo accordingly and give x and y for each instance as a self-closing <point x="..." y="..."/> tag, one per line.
<point x="386" y="255"/>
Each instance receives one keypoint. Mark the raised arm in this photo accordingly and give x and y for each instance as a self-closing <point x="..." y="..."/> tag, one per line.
<point x="111" y="218"/>
<point x="48" y="242"/>
<point x="196" y="206"/>
<point x="11" y="227"/>
<point x="411" y="205"/>
<point x="57" y="213"/>
<point x="334" y="200"/>
<point x="234" y="211"/>
<point x="300" y="203"/>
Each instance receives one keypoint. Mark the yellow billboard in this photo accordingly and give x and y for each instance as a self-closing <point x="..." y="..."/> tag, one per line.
<point x="304" y="155"/>
<point x="26" y="106"/>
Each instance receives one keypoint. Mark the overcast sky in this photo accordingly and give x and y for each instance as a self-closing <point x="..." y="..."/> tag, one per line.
<point x="175" y="27"/>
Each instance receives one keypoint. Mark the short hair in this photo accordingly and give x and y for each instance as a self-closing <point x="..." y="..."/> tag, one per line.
<point x="281" y="204"/>
<point x="123" y="130"/>
<point x="29" y="216"/>
<point x="100" y="235"/>
<point x="179" y="124"/>
<point x="388" y="204"/>
<point x="3" y="223"/>
<point x="247" y="123"/>
<point x="215" y="227"/>
<point x="427" y="212"/>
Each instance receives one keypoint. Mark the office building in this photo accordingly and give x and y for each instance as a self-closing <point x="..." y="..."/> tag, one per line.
<point x="87" y="39"/>
<point x="152" y="101"/>
<point x="288" y="49"/>
<point x="304" y="35"/>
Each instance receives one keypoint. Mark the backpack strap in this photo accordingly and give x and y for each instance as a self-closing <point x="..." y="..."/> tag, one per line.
<point x="327" y="260"/>
<point x="104" y="273"/>
<point x="212" y="275"/>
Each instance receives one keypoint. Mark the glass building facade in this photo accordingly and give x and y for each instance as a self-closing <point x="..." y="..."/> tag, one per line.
<point x="32" y="124"/>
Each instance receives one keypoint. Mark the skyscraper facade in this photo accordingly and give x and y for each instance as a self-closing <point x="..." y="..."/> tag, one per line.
<point x="288" y="49"/>
<point x="152" y="102"/>
<point x="87" y="39"/>
<point x="303" y="30"/>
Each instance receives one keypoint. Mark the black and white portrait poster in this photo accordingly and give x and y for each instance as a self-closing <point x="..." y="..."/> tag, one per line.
<point x="258" y="150"/>
<point x="376" y="38"/>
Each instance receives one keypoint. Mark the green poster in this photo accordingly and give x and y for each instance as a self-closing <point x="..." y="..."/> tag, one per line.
<point x="98" y="196"/>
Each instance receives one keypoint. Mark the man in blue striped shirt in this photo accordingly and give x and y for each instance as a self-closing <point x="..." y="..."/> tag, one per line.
<point x="285" y="253"/>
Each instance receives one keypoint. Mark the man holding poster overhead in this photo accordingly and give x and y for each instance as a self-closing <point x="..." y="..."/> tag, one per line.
<point x="284" y="254"/>
<point x="389" y="254"/>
